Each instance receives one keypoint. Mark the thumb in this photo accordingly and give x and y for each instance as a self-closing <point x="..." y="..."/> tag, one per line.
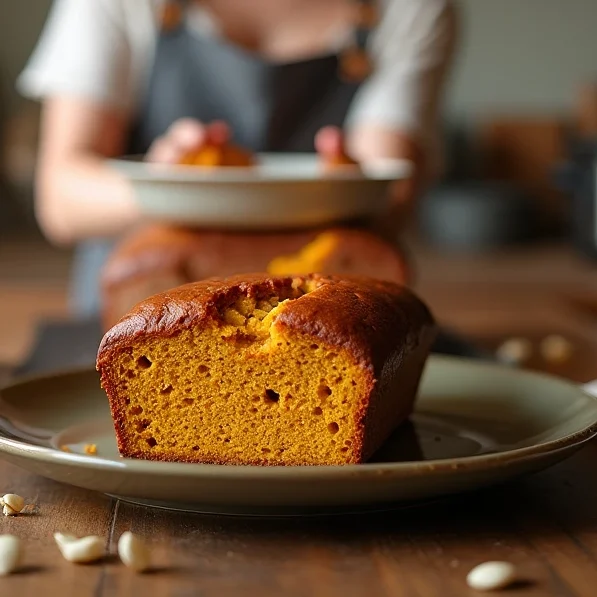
<point x="329" y="142"/>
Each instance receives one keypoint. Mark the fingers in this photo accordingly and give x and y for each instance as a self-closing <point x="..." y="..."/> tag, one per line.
<point x="184" y="136"/>
<point x="329" y="142"/>
<point x="162" y="151"/>
<point x="187" y="133"/>
<point x="218" y="132"/>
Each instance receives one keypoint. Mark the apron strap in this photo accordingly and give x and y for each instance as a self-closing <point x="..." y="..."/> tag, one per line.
<point x="172" y="15"/>
<point x="355" y="63"/>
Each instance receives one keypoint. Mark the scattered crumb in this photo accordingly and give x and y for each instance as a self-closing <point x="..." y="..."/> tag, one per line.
<point x="29" y="509"/>
<point x="90" y="449"/>
<point x="514" y="351"/>
<point x="65" y="449"/>
<point x="556" y="349"/>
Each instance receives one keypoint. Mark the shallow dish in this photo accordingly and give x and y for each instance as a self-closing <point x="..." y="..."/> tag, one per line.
<point x="281" y="191"/>
<point x="476" y="424"/>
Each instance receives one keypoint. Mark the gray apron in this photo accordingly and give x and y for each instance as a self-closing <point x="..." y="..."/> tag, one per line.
<point x="269" y="106"/>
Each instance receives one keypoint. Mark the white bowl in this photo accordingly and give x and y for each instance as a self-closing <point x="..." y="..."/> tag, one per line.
<point x="281" y="191"/>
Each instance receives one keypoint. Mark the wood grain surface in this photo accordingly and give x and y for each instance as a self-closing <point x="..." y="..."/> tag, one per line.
<point x="546" y="524"/>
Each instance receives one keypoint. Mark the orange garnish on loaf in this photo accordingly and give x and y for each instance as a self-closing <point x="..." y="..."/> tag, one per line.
<point x="310" y="259"/>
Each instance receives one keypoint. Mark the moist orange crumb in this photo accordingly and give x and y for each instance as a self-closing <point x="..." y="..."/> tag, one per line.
<point x="90" y="449"/>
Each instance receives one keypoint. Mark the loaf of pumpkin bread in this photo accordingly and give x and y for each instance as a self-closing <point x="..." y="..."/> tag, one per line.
<point x="158" y="257"/>
<point x="262" y="370"/>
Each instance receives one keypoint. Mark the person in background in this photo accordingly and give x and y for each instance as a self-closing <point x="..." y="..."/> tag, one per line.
<point x="162" y="77"/>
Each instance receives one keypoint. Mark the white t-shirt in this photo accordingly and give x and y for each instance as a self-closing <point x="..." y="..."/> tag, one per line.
<point x="103" y="50"/>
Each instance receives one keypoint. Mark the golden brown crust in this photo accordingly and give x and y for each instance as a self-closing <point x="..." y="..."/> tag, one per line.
<point x="348" y="312"/>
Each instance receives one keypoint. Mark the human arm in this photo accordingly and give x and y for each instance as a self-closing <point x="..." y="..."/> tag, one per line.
<point x="81" y="71"/>
<point x="78" y="196"/>
<point x="395" y="114"/>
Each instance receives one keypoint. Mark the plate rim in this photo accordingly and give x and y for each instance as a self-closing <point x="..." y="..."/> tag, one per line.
<point x="486" y="461"/>
<point x="140" y="171"/>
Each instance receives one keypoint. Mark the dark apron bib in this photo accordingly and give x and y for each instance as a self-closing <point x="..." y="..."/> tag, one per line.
<point x="269" y="106"/>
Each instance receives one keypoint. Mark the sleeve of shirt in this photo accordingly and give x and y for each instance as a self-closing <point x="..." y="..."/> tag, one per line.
<point x="412" y="49"/>
<point x="84" y="52"/>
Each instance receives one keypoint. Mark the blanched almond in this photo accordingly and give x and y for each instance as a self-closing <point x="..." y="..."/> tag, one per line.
<point x="80" y="551"/>
<point x="133" y="552"/>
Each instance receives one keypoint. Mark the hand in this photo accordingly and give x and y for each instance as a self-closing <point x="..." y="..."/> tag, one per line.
<point x="329" y="144"/>
<point x="185" y="136"/>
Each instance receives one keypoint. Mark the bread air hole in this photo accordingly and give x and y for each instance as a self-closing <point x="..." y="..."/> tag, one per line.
<point x="151" y="442"/>
<point x="142" y="425"/>
<point x="323" y="391"/>
<point x="143" y="363"/>
<point x="333" y="428"/>
<point x="271" y="396"/>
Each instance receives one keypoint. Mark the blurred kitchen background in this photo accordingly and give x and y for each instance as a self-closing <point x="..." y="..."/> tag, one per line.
<point x="521" y="103"/>
<point x="521" y="85"/>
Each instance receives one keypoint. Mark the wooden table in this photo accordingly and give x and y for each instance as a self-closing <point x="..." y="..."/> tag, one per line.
<point x="546" y="524"/>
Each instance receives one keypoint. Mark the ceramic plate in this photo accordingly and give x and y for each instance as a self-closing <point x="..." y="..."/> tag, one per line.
<point x="476" y="424"/>
<point x="282" y="190"/>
